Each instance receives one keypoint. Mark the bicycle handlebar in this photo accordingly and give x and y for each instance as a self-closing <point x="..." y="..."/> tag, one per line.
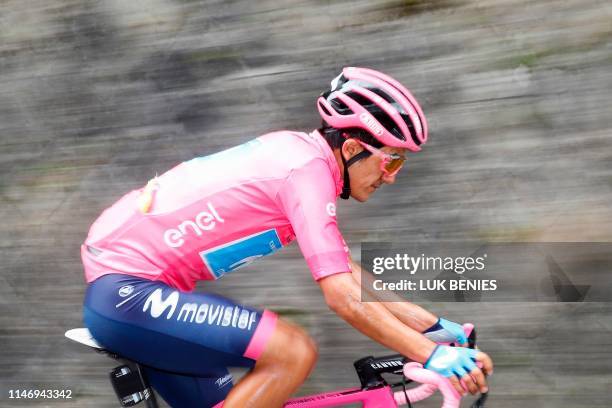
<point x="431" y="381"/>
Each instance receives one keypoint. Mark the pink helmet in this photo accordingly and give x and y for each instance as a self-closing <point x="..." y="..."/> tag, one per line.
<point x="375" y="102"/>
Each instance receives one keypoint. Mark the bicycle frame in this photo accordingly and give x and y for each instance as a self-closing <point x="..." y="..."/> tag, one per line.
<point x="378" y="397"/>
<point x="384" y="397"/>
<point x="378" y="394"/>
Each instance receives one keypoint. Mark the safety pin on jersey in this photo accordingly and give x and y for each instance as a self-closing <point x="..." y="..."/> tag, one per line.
<point x="145" y="200"/>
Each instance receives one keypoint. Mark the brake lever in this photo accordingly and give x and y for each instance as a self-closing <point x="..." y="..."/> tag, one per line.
<point x="472" y="339"/>
<point x="480" y="402"/>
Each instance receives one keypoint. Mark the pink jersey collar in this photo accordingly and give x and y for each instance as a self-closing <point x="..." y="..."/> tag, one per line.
<point x="331" y="160"/>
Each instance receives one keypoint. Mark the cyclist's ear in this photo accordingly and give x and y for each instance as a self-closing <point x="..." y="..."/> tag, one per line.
<point x="350" y="148"/>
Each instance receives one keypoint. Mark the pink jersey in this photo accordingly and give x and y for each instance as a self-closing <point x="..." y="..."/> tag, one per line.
<point x="214" y="214"/>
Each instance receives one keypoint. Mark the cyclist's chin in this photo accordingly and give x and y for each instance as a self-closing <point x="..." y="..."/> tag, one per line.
<point x="362" y="196"/>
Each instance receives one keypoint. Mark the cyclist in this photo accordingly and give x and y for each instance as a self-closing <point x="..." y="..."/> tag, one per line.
<point x="211" y="215"/>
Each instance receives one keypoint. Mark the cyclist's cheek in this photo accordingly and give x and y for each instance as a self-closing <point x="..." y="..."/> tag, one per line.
<point x="388" y="179"/>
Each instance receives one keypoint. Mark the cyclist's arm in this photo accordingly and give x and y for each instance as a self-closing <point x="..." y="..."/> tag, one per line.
<point x="408" y="313"/>
<point x="343" y="293"/>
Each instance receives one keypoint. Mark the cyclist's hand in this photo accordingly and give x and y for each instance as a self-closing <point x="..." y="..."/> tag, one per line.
<point x="457" y="364"/>
<point x="445" y="331"/>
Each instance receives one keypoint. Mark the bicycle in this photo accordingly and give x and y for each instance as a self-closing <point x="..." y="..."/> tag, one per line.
<point x="131" y="386"/>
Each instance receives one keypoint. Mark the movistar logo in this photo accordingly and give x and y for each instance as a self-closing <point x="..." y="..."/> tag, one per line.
<point x="371" y="123"/>
<point x="158" y="305"/>
<point x="200" y="313"/>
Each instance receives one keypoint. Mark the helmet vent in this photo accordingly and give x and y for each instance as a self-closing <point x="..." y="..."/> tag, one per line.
<point x="388" y="123"/>
<point x="340" y="107"/>
<point x="384" y="95"/>
<point x="407" y="119"/>
<point x="324" y="109"/>
<point x="410" y="125"/>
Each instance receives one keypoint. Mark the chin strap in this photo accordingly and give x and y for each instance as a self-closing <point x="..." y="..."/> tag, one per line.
<point x="346" y="186"/>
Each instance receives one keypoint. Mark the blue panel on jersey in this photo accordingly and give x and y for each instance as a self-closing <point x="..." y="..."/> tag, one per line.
<point x="232" y="154"/>
<point x="241" y="252"/>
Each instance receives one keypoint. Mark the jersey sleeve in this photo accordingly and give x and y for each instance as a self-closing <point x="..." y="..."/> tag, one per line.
<point x="308" y="199"/>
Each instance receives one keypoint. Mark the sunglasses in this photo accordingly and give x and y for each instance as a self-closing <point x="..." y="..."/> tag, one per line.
<point x="390" y="163"/>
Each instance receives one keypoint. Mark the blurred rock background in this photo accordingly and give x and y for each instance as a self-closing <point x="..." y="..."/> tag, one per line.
<point x="99" y="96"/>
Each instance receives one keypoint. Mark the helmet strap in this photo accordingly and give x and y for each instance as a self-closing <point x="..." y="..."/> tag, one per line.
<point x="346" y="186"/>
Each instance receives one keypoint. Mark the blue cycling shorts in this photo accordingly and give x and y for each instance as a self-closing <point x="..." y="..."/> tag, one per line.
<point x="185" y="341"/>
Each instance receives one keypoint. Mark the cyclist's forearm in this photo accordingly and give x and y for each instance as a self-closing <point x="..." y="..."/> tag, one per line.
<point x="412" y="315"/>
<point x="377" y="322"/>
<point x="408" y="313"/>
